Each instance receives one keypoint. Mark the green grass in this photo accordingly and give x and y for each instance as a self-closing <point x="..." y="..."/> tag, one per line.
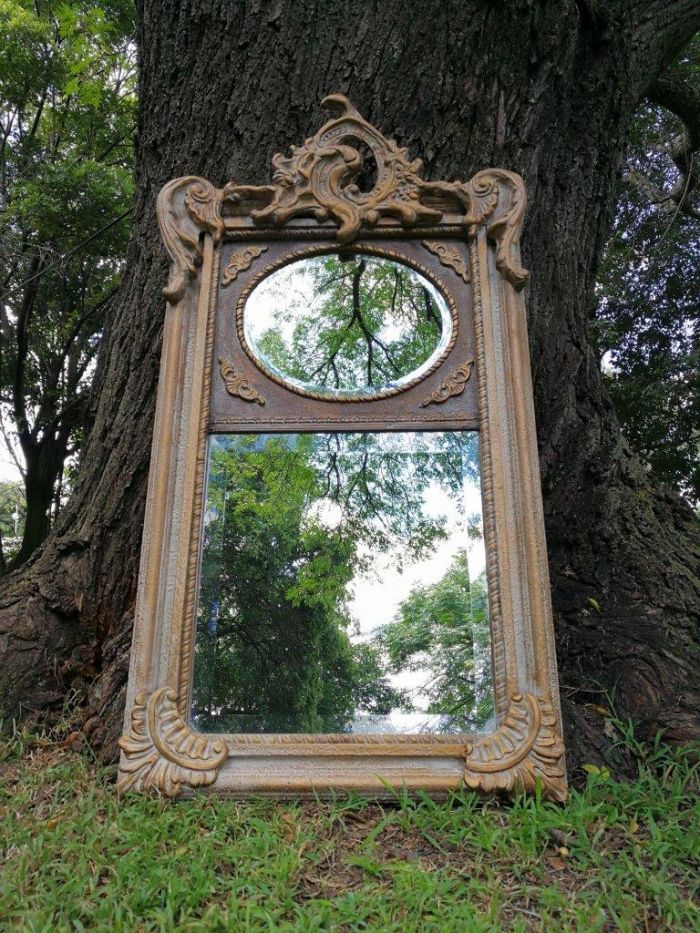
<point x="74" y="857"/>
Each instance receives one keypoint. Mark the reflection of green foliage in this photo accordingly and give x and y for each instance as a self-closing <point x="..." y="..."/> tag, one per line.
<point x="380" y="480"/>
<point x="272" y="643"/>
<point x="443" y="629"/>
<point x="290" y="521"/>
<point x="359" y="322"/>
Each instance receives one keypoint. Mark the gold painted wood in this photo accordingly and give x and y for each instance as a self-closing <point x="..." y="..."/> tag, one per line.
<point x="313" y="205"/>
<point x="317" y="181"/>
<point x="160" y="750"/>
<point x="450" y="386"/>
<point x="239" y="261"/>
<point x="525" y="748"/>
<point x="449" y="256"/>
<point x="237" y="384"/>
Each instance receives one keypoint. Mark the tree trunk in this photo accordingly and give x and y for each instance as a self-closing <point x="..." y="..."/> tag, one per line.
<point x="547" y="90"/>
<point x="44" y="460"/>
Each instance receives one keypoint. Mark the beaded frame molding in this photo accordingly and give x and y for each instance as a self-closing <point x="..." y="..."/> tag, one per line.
<point x="464" y="237"/>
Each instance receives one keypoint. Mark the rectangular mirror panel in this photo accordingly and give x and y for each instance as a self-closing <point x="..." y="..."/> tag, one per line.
<point x="342" y="585"/>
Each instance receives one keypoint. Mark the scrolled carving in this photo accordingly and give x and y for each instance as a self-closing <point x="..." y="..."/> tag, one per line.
<point x="239" y="261"/>
<point x="505" y="226"/>
<point x="450" y="386"/>
<point x="160" y="751"/>
<point x="318" y="180"/>
<point x="185" y="207"/>
<point x="237" y="384"/>
<point x="526" y="747"/>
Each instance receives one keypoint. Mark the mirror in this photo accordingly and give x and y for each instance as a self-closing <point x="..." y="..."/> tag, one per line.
<point x="357" y="327"/>
<point x="312" y="613"/>
<point x="342" y="585"/>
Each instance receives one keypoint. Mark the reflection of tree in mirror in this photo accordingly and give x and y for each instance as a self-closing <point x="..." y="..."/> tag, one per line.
<point x="291" y="524"/>
<point x="272" y="649"/>
<point x="442" y="630"/>
<point x="346" y="324"/>
<point x="380" y="480"/>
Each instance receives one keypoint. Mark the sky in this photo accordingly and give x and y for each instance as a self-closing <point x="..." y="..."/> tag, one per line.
<point x="8" y="467"/>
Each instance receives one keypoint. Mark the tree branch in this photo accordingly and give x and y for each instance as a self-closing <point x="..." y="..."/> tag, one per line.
<point x="660" y="27"/>
<point x="676" y="93"/>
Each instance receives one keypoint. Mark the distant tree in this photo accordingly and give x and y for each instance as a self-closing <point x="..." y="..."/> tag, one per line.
<point x="442" y="630"/>
<point x="67" y="106"/>
<point x="12" y="509"/>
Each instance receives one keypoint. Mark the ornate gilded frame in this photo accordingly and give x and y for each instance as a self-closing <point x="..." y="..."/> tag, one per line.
<point x="471" y="231"/>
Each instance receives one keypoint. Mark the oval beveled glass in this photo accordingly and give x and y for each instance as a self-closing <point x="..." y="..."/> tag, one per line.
<point x="354" y="328"/>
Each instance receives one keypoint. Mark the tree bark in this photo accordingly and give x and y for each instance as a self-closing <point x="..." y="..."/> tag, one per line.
<point x="546" y="90"/>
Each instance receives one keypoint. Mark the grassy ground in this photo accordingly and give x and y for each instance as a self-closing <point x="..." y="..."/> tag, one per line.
<point x="617" y="856"/>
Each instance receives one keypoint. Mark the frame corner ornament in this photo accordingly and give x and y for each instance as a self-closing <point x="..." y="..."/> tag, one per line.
<point x="237" y="384"/>
<point x="161" y="753"/>
<point x="525" y="748"/>
<point x="450" y="386"/>
<point x="186" y="207"/>
<point x="239" y="261"/>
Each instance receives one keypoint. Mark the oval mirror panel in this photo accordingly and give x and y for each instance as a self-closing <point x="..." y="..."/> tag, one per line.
<point x="357" y="327"/>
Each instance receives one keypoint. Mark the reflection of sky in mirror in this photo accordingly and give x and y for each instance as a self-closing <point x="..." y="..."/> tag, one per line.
<point x="376" y="595"/>
<point x="439" y="474"/>
<point x="290" y="298"/>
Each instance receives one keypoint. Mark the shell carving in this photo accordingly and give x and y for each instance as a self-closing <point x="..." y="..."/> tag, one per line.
<point x="160" y="751"/>
<point x="239" y="261"/>
<point x="526" y="747"/>
<point x="449" y="256"/>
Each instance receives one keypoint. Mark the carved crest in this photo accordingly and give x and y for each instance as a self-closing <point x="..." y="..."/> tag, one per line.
<point x="161" y="753"/>
<point x="525" y="747"/>
<point x="319" y="180"/>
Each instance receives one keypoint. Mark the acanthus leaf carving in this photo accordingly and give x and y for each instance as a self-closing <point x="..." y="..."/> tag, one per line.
<point x="160" y="751"/>
<point x="450" y="386"/>
<point x="525" y="748"/>
<point x="185" y="207"/>
<point x="237" y="384"/>
<point x="317" y="179"/>
<point x="239" y="261"/>
<point x="504" y="227"/>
